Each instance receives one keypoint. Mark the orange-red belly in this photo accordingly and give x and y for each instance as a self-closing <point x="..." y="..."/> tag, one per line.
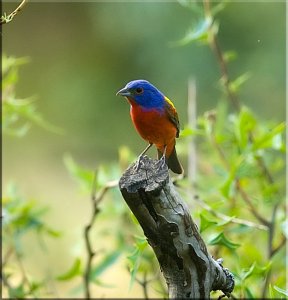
<point x="154" y="127"/>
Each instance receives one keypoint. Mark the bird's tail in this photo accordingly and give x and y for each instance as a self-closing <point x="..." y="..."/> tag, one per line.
<point x="172" y="161"/>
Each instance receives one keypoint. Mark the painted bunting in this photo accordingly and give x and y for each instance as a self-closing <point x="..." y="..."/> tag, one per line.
<point x="155" y="118"/>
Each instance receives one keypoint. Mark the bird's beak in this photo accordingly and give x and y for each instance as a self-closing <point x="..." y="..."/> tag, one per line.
<point x="124" y="92"/>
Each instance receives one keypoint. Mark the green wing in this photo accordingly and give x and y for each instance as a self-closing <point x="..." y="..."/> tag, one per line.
<point x="172" y="114"/>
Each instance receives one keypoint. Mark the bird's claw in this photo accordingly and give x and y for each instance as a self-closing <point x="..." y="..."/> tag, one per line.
<point x="162" y="163"/>
<point x="138" y="164"/>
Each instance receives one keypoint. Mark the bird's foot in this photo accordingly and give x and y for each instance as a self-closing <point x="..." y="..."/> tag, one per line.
<point x="138" y="163"/>
<point x="162" y="163"/>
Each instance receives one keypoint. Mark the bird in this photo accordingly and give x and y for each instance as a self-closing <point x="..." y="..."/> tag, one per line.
<point x="156" y="120"/>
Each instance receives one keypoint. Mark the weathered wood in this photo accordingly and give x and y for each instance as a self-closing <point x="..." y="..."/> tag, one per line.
<point x="188" y="268"/>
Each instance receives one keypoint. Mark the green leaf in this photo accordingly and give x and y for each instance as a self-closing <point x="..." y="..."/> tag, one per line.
<point x="230" y="56"/>
<point x="239" y="81"/>
<point x="269" y="139"/>
<point x="199" y="33"/>
<point x="244" y="125"/>
<point x="205" y="223"/>
<point x="85" y="177"/>
<point x="227" y="187"/>
<point x="134" y="219"/>
<point x="103" y="284"/>
<point x="17" y="132"/>
<point x="106" y="262"/>
<point x="134" y="258"/>
<point x="246" y="170"/>
<point x="269" y="192"/>
<point x="16" y="292"/>
<point x="221" y="239"/>
<point x="192" y="5"/>
<point x="262" y="271"/>
<point x="9" y="62"/>
<point x="218" y="7"/>
<point x="52" y="232"/>
<point x="74" y="271"/>
<point x="248" y="293"/>
<point x="281" y="291"/>
<point x="249" y="272"/>
<point x="188" y="131"/>
<point x="271" y="291"/>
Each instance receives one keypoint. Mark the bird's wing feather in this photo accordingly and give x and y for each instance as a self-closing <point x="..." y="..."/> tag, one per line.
<point x="172" y="114"/>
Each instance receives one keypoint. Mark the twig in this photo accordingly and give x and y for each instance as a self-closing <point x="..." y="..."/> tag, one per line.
<point x="232" y="96"/>
<point x="22" y="269"/>
<point x="214" y="44"/>
<point x="227" y="218"/>
<point x="237" y="182"/>
<point x="6" y="19"/>
<point x="95" y="211"/>
<point x="272" y="251"/>
<point x="7" y="256"/>
<point x="253" y="210"/>
<point x="5" y="281"/>
<point x="25" y="281"/>
<point x="277" y="248"/>
<point x="271" y="231"/>
<point x="144" y="283"/>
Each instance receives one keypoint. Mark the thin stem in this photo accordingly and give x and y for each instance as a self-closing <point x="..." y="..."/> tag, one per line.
<point x="227" y="218"/>
<point x="144" y="284"/>
<point x="239" y="188"/>
<point x="277" y="248"/>
<point x="6" y="19"/>
<point x="5" y="281"/>
<point x="7" y="256"/>
<point x="271" y="251"/>
<point x="88" y="243"/>
<point x="215" y="46"/>
<point x="254" y="211"/>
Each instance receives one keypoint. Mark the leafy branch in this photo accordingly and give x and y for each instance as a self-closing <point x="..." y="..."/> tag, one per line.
<point x="231" y="93"/>
<point x="227" y="218"/>
<point x="8" y="18"/>
<point x="251" y="172"/>
<point x="96" y="200"/>
<point x="214" y="44"/>
<point x="232" y="96"/>
<point x="19" y="114"/>
<point x="20" y="216"/>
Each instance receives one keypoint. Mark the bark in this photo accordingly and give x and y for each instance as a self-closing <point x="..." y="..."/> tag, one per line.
<point x="189" y="270"/>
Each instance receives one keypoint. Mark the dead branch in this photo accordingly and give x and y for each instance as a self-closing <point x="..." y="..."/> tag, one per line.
<point x="189" y="270"/>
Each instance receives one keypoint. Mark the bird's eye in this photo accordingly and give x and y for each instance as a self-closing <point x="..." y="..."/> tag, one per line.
<point x="139" y="90"/>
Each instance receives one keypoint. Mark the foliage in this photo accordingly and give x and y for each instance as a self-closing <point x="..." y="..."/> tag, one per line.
<point x="21" y="217"/>
<point x="18" y="114"/>
<point x="241" y="161"/>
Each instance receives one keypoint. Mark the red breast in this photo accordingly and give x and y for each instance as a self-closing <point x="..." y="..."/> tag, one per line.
<point x="154" y="126"/>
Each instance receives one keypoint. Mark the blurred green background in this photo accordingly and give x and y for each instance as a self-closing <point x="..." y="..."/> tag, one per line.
<point x="81" y="54"/>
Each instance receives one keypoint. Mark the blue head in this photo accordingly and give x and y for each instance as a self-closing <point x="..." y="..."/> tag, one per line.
<point x="143" y="93"/>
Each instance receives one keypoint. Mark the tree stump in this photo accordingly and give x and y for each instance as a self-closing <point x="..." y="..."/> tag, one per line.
<point x="189" y="270"/>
